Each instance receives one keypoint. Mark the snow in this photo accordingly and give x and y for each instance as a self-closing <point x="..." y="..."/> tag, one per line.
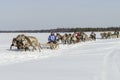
<point x="93" y="60"/>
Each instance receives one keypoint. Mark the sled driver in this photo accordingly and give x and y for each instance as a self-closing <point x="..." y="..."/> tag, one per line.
<point x="76" y="34"/>
<point x="52" y="38"/>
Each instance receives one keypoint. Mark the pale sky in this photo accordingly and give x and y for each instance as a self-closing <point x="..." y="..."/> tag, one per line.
<point x="42" y="14"/>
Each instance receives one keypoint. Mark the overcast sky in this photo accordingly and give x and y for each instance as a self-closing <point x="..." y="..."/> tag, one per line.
<point x="42" y="14"/>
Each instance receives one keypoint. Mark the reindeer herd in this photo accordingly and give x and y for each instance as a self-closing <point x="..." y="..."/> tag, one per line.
<point x="31" y="43"/>
<point x="109" y="35"/>
<point x="72" y="38"/>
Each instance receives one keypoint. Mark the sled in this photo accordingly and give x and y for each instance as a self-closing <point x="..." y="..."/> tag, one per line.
<point x="49" y="46"/>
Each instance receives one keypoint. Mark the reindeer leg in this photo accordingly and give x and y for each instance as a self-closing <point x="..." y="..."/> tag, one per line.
<point x="39" y="47"/>
<point x="11" y="46"/>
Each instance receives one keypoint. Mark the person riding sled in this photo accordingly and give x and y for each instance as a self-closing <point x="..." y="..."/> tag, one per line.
<point x="52" y="38"/>
<point x="76" y="35"/>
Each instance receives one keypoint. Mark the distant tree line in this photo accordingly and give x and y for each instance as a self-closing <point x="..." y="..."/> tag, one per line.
<point x="63" y="30"/>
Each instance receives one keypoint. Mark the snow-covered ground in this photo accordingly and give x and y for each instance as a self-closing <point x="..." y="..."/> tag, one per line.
<point x="95" y="60"/>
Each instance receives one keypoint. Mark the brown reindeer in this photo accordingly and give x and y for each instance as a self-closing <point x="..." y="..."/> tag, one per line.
<point x="17" y="44"/>
<point x="24" y="42"/>
<point x="30" y="41"/>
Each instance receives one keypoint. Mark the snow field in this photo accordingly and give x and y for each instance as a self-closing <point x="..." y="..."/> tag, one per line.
<point x="94" y="60"/>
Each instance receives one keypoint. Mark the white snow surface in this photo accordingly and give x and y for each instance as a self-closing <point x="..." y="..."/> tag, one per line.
<point x="93" y="60"/>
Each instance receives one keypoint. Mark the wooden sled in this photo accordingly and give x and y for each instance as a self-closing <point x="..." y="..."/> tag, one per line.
<point x="49" y="45"/>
